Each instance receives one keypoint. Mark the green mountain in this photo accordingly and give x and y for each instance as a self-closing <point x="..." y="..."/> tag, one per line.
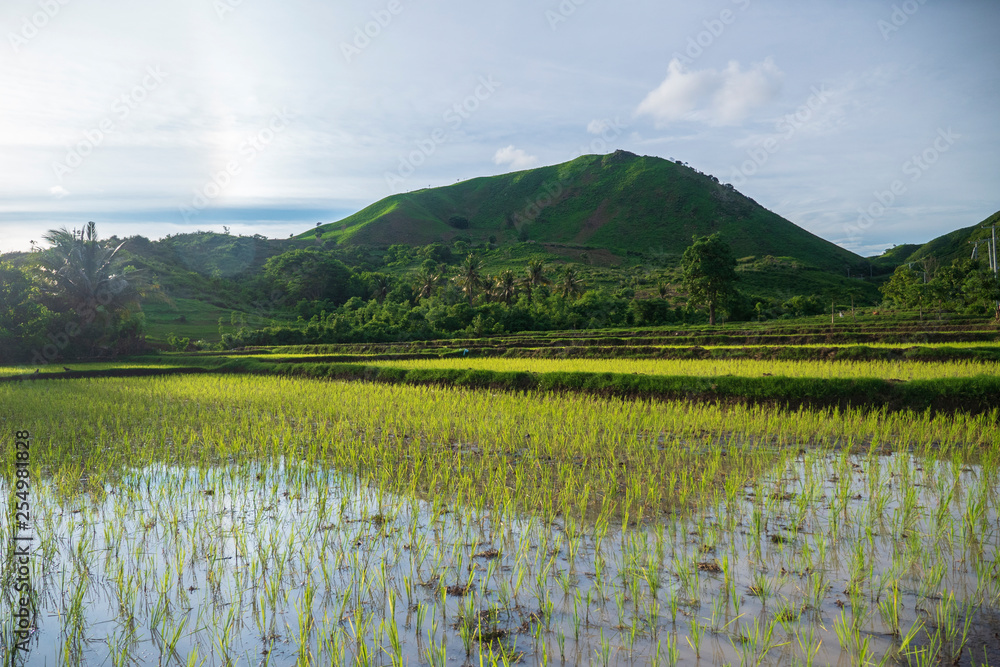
<point x="620" y="202"/>
<point x="957" y="244"/>
<point x="945" y="249"/>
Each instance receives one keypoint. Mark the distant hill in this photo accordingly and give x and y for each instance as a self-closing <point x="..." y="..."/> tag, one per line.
<point x="946" y="248"/>
<point x="895" y="256"/>
<point x="956" y="244"/>
<point x="620" y="202"/>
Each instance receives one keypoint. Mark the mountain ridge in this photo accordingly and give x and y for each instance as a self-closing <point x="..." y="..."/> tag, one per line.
<point x="620" y="201"/>
<point x="945" y="248"/>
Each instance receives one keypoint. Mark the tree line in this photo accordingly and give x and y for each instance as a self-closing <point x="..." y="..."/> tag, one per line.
<point x="965" y="286"/>
<point x="82" y="298"/>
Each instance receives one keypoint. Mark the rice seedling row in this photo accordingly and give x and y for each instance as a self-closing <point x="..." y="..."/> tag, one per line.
<point x="215" y="520"/>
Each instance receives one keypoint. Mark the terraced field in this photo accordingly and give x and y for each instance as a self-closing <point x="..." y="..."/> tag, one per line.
<point x="435" y="503"/>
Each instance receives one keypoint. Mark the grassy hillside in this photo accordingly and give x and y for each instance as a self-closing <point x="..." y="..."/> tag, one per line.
<point x="946" y="248"/>
<point x="619" y="202"/>
<point x="895" y="256"/>
<point x="955" y="245"/>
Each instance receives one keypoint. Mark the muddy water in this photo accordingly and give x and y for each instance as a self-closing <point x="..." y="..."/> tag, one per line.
<point x="270" y="566"/>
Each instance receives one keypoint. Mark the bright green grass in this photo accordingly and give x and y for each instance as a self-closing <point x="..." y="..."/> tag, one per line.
<point x="200" y="320"/>
<point x="57" y="369"/>
<point x="712" y="367"/>
<point x="216" y="519"/>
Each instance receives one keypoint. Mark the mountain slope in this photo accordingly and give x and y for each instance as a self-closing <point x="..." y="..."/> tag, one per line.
<point x="956" y="244"/>
<point x="621" y="202"/>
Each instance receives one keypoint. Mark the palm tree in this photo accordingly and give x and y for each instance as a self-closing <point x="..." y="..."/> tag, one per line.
<point x="506" y="286"/>
<point x="489" y="287"/>
<point x="380" y="285"/>
<point x="535" y="276"/>
<point x="79" y="273"/>
<point x="470" y="277"/>
<point x="570" y="285"/>
<point x="427" y="282"/>
<point x="79" y="270"/>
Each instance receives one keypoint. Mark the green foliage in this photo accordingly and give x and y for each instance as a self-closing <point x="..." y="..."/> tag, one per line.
<point x="311" y="275"/>
<point x="570" y="284"/>
<point x="438" y="253"/>
<point x="906" y="289"/>
<point x="23" y="320"/>
<point x="964" y="286"/>
<point x="82" y="278"/>
<point x="956" y="245"/>
<point x="470" y="276"/>
<point x="179" y="344"/>
<point x="709" y="272"/>
<point x="620" y="202"/>
<point x="804" y="306"/>
<point x="81" y="271"/>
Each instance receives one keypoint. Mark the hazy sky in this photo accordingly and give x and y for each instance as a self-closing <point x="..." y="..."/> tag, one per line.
<point x="866" y="122"/>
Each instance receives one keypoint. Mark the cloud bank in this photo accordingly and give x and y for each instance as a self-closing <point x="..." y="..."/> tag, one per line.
<point x="710" y="96"/>
<point x="516" y="158"/>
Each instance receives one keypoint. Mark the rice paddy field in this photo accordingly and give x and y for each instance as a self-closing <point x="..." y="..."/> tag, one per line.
<point x="257" y="519"/>
<point x="715" y="367"/>
<point x="14" y="371"/>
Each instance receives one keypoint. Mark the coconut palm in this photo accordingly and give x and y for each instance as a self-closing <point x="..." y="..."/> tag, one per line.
<point x="428" y="281"/>
<point x="79" y="270"/>
<point x="536" y="273"/>
<point x="570" y="285"/>
<point x="470" y="276"/>
<point x="506" y="286"/>
<point x="79" y="273"/>
<point x="380" y="285"/>
<point x="535" y="276"/>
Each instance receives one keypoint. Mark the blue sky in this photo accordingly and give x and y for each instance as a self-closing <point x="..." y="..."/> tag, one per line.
<point x="868" y="123"/>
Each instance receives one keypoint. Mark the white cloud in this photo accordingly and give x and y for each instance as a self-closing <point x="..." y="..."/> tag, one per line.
<point x="597" y="126"/>
<point x="58" y="191"/>
<point x="710" y="96"/>
<point x="515" y="157"/>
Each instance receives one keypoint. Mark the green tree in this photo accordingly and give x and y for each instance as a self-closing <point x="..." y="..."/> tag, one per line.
<point x="23" y="320"/>
<point x="570" y="284"/>
<point x="309" y="274"/>
<point x="982" y="287"/>
<point x="81" y="273"/>
<point x="506" y="286"/>
<point x="946" y="286"/>
<point x="428" y="280"/>
<point x="709" y="272"/>
<point x="470" y="276"/>
<point x="906" y="289"/>
<point x="535" y="276"/>
<point x="379" y="285"/>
